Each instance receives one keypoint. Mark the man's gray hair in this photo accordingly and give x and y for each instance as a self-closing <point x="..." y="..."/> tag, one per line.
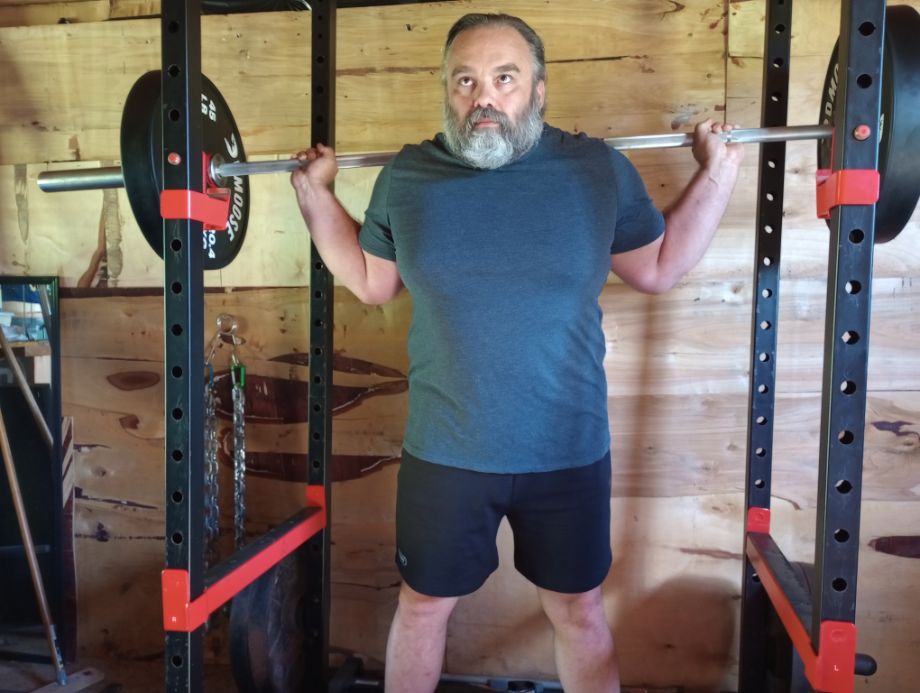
<point x="476" y="20"/>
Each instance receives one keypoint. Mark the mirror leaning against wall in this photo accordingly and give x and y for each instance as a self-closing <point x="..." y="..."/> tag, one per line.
<point x="34" y="480"/>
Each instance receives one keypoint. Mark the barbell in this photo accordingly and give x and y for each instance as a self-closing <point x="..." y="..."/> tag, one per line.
<point x="227" y="169"/>
<point x="221" y="170"/>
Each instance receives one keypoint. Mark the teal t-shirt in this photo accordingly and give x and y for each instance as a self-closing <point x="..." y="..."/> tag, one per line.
<point x="504" y="268"/>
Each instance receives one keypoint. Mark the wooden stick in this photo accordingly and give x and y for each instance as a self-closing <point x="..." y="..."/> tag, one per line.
<point x="77" y="681"/>
<point x="32" y="559"/>
<point x="26" y="391"/>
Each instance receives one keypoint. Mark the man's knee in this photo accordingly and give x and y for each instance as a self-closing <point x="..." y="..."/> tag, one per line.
<point x="583" y="611"/>
<point x="421" y="608"/>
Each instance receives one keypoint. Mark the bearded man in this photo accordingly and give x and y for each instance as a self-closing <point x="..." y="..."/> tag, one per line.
<point x="504" y="229"/>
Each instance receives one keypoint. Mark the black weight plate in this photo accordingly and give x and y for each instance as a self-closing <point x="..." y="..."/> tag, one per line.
<point x="141" y="153"/>
<point x="267" y="637"/>
<point x="900" y="121"/>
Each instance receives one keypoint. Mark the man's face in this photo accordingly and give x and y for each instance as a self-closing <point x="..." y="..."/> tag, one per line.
<point x="493" y="107"/>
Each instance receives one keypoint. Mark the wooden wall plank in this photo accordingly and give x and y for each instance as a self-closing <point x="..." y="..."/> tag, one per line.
<point x="59" y="234"/>
<point x="30" y="14"/>
<point x="36" y="12"/>
<point x="380" y="54"/>
<point x="685" y="444"/>
<point x="696" y="338"/>
<point x="382" y="64"/>
<point x="675" y="577"/>
<point x="815" y="26"/>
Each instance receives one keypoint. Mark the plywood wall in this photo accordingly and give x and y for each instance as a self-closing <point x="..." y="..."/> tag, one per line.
<point x="677" y="364"/>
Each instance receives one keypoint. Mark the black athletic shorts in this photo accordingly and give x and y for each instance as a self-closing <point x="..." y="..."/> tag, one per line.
<point x="447" y="521"/>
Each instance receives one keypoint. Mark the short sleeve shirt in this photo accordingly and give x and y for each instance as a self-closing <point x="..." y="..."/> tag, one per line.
<point x="505" y="268"/>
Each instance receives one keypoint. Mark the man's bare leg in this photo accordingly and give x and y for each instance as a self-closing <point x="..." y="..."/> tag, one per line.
<point x="418" y="636"/>
<point x="585" y="657"/>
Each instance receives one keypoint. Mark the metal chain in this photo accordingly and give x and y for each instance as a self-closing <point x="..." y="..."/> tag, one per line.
<point x="238" y="373"/>
<point x="211" y="488"/>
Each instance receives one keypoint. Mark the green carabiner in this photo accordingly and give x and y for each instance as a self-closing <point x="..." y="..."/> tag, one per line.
<point x="238" y="373"/>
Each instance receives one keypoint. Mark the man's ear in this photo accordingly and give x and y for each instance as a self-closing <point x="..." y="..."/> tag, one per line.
<point x="541" y="92"/>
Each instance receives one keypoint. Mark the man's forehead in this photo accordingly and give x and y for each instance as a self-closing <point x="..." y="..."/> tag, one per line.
<point x="488" y="43"/>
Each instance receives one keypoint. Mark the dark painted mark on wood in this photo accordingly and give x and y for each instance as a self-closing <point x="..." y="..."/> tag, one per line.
<point x="713" y="553"/>
<point x="129" y="422"/>
<point x="102" y="532"/>
<point x="678" y="6"/>
<point x="74" y="145"/>
<point x="597" y="59"/>
<point x="78" y="493"/>
<point x="794" y="504"/>
<point x="347" y="364"/>
<point x="343" y="364"/>
<point x="288" y="466"/>
<point x="903" y="546"/>
<point x="364" y="71"/>
<point x="274" y="400"/>
<point x="134" y="380"/>
<point x="895" y="427"/>
<point x="95" y="273"/>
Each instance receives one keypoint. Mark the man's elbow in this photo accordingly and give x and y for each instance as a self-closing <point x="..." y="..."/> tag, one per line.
<point x="375" y="296"/>
<point x="654" y="283"/>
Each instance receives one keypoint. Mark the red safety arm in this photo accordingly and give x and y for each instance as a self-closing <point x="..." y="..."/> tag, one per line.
<point x="833" y="668"/>
<point x="182" y="613"/>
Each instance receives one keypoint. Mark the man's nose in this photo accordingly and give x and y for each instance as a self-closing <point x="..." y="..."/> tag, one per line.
<point x="484" y="96"/>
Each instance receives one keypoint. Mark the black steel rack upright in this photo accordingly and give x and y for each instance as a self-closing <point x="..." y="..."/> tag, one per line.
<point x="190" y="594"/>
<point x="820" y="620"/>
<point x="322" y="130"/>
<point x="183" y="294"/>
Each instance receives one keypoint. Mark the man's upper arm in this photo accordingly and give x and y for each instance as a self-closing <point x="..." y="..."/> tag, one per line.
<point x="376" y="240"/>
<point x="383" y="280"/>
<point x="639" y="228"/>
<point x="638" y="267"/>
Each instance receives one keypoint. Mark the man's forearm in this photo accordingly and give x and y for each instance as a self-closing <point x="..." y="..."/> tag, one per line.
<point x="692" y="221"/>
<point x="335" y="234"/>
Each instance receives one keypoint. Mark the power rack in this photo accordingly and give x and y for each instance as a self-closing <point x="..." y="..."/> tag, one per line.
<point x="818" y="620"/>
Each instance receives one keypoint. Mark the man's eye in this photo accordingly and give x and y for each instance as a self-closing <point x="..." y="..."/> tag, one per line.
<point x="505" y="79"/>
<point x="465" y="81"/>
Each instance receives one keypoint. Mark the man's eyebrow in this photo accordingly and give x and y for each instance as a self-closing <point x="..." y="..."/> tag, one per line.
<point x="507" y="67"/>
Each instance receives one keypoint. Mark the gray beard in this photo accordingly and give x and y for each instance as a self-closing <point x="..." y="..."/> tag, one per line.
<point x="492" y="148"/>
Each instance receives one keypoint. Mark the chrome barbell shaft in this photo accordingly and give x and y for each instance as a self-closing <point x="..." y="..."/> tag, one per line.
<point x="229" y="169"/>
<point x="739" y="136"/>
<point x="111" y="177"/>
<point x="81" y="179"/>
